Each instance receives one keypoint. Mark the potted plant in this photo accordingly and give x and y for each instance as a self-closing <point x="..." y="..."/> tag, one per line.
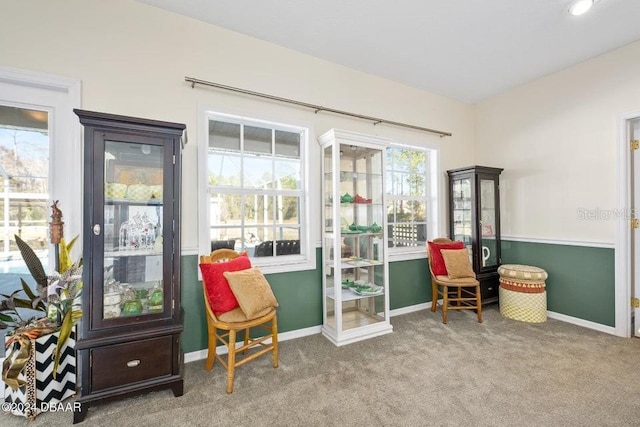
<point x="57" y="295"/>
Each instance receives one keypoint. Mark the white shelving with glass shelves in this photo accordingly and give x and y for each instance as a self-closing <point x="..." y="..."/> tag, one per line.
<point x="355" y="267"/>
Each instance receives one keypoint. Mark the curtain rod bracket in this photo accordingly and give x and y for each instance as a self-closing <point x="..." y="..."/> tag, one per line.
<point x="316" y="108"/>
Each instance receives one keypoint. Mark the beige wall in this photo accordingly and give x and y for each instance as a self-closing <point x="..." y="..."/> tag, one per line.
<point x="556" y="138"/>
<point x="132" y="60"/>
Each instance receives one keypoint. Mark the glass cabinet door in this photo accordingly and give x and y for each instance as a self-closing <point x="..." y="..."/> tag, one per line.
<point x="474" y="210"/>
<point x="355" y="288"/>
<point x="487" y="235"/>
<point x="327" y="189"/>
<point x="361" y="249"/>
<point x="133" y="258"/>
<point x="462" y="213"/>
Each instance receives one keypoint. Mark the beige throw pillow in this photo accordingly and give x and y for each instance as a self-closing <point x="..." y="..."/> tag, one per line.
<point x="457" y="263"/>
<point x="237" y="315"/>
<point x="252" y="291"/>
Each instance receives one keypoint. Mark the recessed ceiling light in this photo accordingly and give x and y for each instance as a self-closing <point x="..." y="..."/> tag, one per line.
<point x="579" y="7"/>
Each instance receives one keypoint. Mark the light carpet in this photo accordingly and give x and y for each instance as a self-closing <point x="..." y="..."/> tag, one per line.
<point x="498" y="373"/>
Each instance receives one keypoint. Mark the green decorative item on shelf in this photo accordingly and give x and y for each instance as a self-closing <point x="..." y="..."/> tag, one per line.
<point x="129" y="294"/>
<point x="132" y="308"/>
<point x="353" y="227"/>
<point x="346" y="284"/>
<point x="142" y="293"/>
<point x="369" y="289"/>
<point x="156" y="298"/>
<point x="346" y="198"/>
<point x="375" y="228"/>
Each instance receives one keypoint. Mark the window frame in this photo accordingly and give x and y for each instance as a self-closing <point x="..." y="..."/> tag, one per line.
<point x="58" y="96"/>
<point x="430" y="199"/>
<point x="306" y="260"/>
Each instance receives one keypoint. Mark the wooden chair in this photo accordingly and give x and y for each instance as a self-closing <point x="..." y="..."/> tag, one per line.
<point x="228" y="338"/>
<point x="457" y="294"/>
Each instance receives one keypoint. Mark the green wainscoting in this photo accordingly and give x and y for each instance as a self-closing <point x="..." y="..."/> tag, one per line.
<point x="194" y="337"/>
<point x="580" y="284"/>
<point x="299" y="294"/>
<point x="409" y="283"/>
<point x="581" y="279"/>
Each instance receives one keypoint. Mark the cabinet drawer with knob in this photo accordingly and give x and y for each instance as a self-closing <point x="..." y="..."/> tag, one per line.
<point x="489" y="286"/>
<point x="127" y="363"/>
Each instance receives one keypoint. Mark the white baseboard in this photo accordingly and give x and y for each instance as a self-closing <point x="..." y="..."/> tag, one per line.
<point x="551" y="314"/>
<point x="299" y="333"/>
<point x="410" y="309"/>
<point x="581" y="322"/>
<point x="285" y="336"/>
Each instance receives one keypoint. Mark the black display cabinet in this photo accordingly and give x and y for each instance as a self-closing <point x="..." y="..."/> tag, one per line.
<point x="474" y="218"/>
<point x="129" y="336"/>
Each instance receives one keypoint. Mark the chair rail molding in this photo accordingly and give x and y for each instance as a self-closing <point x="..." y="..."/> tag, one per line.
<point x="547" y="241"/>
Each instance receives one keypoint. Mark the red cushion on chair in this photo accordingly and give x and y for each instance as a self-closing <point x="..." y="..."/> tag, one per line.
<point x="221" y="299"/>
<point x="437" y="261"/>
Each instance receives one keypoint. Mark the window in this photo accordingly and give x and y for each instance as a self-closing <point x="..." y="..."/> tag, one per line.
<point x="39" y="158"/>
<point x="24" y="176"/>
<point x="256" y="185"/>
<point x="411" y="213"/>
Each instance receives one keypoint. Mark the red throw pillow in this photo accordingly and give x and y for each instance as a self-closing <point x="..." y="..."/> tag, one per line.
<point x="437" y="261"/>
<point x="221" y="299"/>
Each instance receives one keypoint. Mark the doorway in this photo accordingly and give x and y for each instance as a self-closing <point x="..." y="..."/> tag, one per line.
<point x="627" y="250"/>
<point x="634" y="138"/>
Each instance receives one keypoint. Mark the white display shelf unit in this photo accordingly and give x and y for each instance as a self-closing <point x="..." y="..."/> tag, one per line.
<point x="354" y="236"/>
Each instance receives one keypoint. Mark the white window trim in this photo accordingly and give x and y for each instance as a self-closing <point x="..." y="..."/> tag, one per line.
<point x="433" y="204"/>
<point x="58" y="96"/>
<point x="269" y="265"/>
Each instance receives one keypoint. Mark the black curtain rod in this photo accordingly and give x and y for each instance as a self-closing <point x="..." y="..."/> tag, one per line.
<point x="316" y="108"/>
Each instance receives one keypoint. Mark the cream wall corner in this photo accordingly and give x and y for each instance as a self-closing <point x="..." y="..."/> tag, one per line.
<point x="556" y="138"/>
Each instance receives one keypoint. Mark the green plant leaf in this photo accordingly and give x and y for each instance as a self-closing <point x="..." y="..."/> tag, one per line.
<point x="27" y="290"/>
<point x="22" y="303"/>
<point x="64" y="259"/>
<point x="6" y="318"/>
<point x="65" y="332"/>
<point x="71" y="243"/>
<point x="33" y="262"/>
<point x="76" y="315"/>
<point x="36" y="300"/>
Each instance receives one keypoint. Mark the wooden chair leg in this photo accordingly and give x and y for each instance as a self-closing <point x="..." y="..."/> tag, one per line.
<point x="479" y="304"/>
<point x="445" y="303"/>
<point x="211" y="352"/>
<point x="247" y="334"/>
<point x="459" y="296"/>
<point x="231" y="363"/>
<point x="434" y="296"/>
<point x="274" y="341"/>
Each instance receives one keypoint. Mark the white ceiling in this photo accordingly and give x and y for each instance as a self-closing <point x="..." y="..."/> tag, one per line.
<point x="467" y="50"/>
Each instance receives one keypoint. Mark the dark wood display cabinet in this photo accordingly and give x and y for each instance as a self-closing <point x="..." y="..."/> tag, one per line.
<point x="129" y="336"/>
<point x="474" y="218"/>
